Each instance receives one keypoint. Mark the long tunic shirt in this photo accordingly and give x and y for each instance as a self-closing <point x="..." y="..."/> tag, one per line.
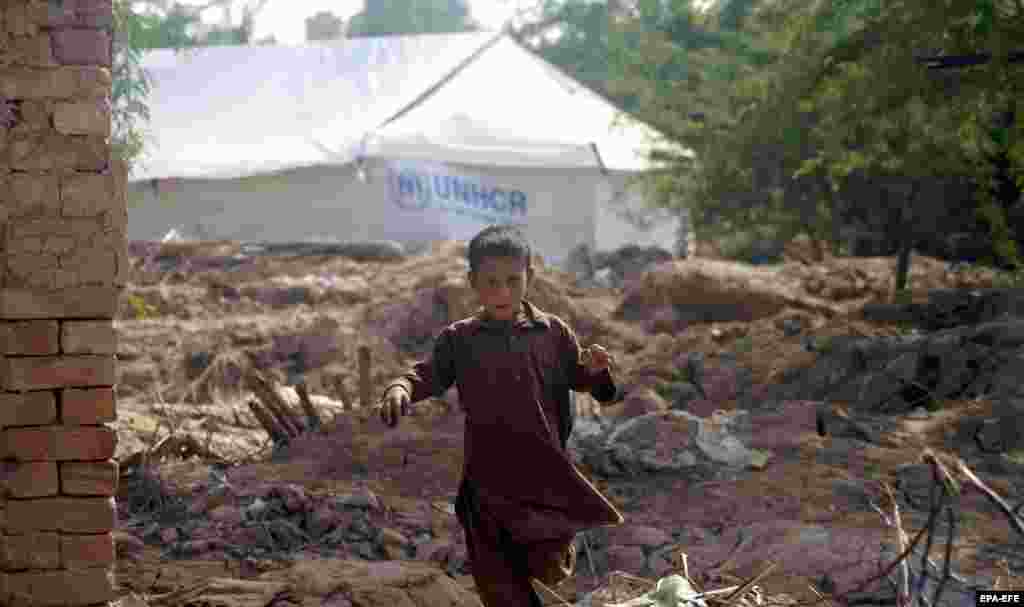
<point x="514" y="380"/>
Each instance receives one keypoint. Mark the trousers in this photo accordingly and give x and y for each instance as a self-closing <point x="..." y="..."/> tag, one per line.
<point x="501" y="567"/>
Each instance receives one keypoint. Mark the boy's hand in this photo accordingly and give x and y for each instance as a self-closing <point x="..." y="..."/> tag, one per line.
<point x="394" y="404"/>
<point x="597" y="359"/>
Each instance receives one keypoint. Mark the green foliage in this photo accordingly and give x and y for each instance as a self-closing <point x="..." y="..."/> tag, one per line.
<point x="130" y="85"/>
<point x="403" y="17"/>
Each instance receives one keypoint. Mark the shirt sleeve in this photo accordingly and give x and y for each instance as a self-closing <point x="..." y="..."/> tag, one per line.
<point x="432" y="377"/>
<point x="601" y="386"/>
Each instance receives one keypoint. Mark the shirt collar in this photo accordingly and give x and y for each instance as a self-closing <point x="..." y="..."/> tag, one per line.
<point x="529" y="317"/>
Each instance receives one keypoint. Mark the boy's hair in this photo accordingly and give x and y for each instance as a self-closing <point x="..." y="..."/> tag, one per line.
<point x="498" y="241"/>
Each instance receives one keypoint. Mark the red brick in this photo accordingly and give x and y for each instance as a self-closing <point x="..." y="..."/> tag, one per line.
<point x="60" y="443"/>
<point x="87" y="407"/>
<point x="63" y="587"/>
<point x="88" y="337"/>
<point x="68" y="514"/>
<point x="89" y="478"/>
<point x="78" y="302"/>
<point x="35" y="337"/>
<point x="83" y="551"/>
<point x="82" y="47"/>
<point x="30" y="479"/>
<point x="41" y="372"/>
<point x="27" y="408"/>
<point x="30" y="551"/>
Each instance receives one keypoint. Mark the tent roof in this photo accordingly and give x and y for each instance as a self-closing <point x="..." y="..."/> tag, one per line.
<point x="477" y="98"/>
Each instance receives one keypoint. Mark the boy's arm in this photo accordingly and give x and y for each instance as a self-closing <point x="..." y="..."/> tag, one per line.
<point x="600" y="385"/>
<point x="430" y="377"/>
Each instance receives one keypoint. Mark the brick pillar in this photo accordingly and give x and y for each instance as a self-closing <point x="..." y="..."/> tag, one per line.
<point x="62" y="263"/>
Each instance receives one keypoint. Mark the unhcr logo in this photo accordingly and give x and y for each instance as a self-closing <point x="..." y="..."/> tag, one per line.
<point x="413" y="190"/>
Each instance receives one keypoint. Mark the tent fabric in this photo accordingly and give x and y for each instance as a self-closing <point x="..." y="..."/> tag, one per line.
<point x="231" y="111"/>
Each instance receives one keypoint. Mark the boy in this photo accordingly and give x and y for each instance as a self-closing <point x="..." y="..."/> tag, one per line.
<point x="521" y="500"/>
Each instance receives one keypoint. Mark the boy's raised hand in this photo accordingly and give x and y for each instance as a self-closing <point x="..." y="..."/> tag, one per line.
<point x="394" y="404"/>
<point x="597" y="359"/>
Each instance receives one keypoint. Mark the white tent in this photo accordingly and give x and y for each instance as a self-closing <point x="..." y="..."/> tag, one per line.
<point x="408" y="138"/>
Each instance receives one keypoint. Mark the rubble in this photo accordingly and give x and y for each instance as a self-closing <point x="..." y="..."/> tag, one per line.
<point x="758" y="429"/>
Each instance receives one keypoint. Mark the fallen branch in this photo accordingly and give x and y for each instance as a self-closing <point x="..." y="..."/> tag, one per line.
<point x="277" y="434"/>
<point x="268" y="395"/>
<point x="315" y="422"/>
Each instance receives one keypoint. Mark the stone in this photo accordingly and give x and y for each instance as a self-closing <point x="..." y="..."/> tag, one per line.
<point x="79" y="302"/>
<point x="54" y="152"/>
<point x="30" y="479"/>
<point x="719" y="444"/>
<point x="684" y="393"/>
<point x="82" y="118"/>
<point x="30" y="551"/>
<point x="88" y="195"/>
<point x="30" y="337"/>
<point x="638" y="535"/>
<point x="363" y="498"/>
<point x="32" y="194"/>
<point x="32" y="51"/>
<point x="67" y="514"/>
<point x="28" y="409"/>
<point x="27" y="83"/>
<point x="88" y="337"/>
<point x="79" y="551"/>
<point x="64" y="587"/>
<point x="880" y="389"/>
<point x="643" y="401"/>
<point x="88" y="406"/>
<point x="169" y="535"/>
<point x="629" y="559"/>
<point x="227" y="514"/>
<point x="82" y="47"/>
<point x="60" y="443"/>
<point x="89" y="478"/>
<point x="42" y="372"/>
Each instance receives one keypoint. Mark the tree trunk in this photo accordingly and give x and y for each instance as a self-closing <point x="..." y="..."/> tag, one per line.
<point x="903" y="263"/>
<point x="908" y="239"/>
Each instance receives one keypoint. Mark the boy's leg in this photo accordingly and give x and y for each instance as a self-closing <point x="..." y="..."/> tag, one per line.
<point x="498" y="565"/>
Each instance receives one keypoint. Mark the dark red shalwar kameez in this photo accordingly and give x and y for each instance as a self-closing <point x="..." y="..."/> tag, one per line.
<point x="521" y="500"/>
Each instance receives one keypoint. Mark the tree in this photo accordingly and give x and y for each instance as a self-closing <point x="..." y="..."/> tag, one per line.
<point x="842" y="96"/>
<point x="130" y="83"/>
<point x="387" y="18"/>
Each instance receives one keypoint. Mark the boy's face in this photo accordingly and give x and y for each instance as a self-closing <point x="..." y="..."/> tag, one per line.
<point x="500" y="284"/>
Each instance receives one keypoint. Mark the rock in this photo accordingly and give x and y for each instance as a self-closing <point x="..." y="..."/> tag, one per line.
<point x="837" y="421"/>
<point x="360" y="529"/>
<point x="169" y="535"/>
<point x="919" y="413"/>
<point x="579" y="262"/>
<point x="880" y="390"/>
<point x="685" y="393"/>
<point x="256" y="509"/>
<point x="325" y="518"/>
<point x="363" y="498"/>
<point x="629" y="559"/>
<point x="638" y="535"/>
<point x="435" y="551"/>
<point x="375" y="584"/>
<point x="293" y="496"/>
<point x="392" y="542"/>
<point x="605" y="278"/>
<point x="719" y="444"/>
<point x="791" y="327"/>
<point x="229" y="515"/>
<point x="127" y="546"/>
<point x="286" y="534"/>
<point x="643" y="401"/>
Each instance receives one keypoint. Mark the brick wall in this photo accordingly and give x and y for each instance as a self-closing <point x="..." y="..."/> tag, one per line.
<point x="62" y="261"/>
